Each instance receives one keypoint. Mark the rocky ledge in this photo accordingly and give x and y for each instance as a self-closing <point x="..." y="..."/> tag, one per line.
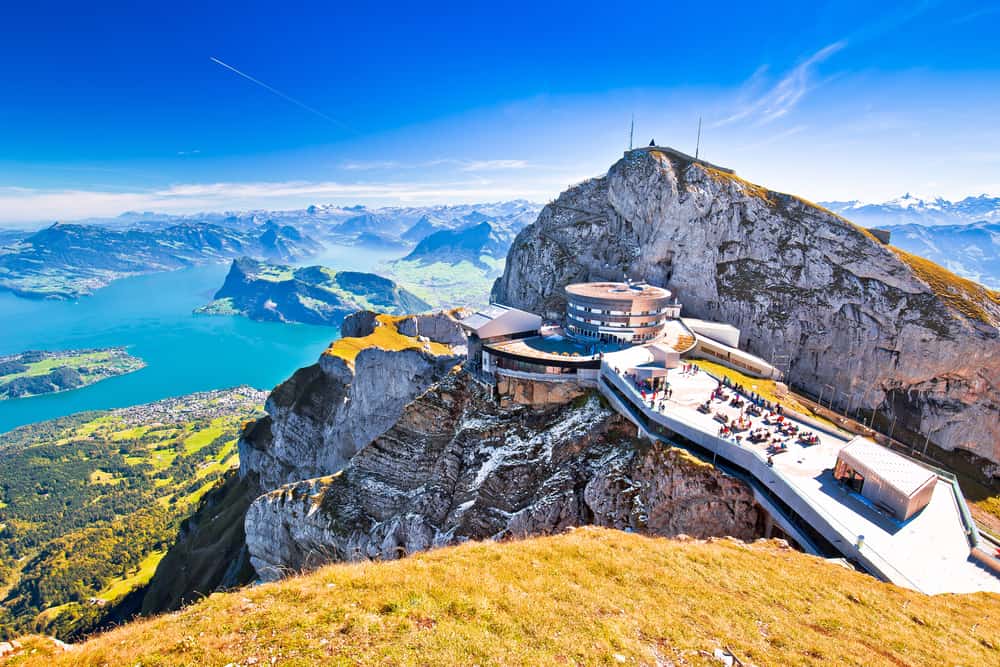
<point x="458" y="466"/>
<point x="322" y="415"/>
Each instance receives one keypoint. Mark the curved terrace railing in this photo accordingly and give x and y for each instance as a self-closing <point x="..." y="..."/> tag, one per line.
<point x="873" y="561"/>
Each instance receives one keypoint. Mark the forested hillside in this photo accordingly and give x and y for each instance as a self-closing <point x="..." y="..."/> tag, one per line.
<point x="89" y="503"/>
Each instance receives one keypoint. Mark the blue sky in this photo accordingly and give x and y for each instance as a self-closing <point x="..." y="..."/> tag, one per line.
<point x="113" y="108"/>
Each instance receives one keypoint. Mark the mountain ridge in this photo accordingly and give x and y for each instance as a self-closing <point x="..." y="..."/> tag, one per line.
<point x="67" y="261"/>
<point x="309" y="295"/>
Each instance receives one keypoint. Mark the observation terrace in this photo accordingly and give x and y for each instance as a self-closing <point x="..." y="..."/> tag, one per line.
<point x="931" y="552"/>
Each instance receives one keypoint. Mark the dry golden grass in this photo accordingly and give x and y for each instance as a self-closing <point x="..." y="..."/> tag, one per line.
<point x="968" y="297"/>
<point x="986" y="512"/>
<point x="588" y="597"/>
<point x="758" y="191"/>
<point x="386" y="337"/>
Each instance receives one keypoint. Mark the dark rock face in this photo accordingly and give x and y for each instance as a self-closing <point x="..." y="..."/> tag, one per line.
<point x="322" y="415"/>
<point x="359" y="324"/>
<point x="440" y="327"/>
<point x="796" y="279"/>
<point x="457" y="466"/>
<point x="210" y="552"/>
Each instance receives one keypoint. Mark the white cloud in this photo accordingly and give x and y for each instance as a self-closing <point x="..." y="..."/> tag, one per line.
<point x="781" y="98"/>
<point x="493" y="165"/>
<point x="19" y="206"/>
<point x="462" y="165"/>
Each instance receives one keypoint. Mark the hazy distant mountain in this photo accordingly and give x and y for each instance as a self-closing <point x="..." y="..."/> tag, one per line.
<point x="70" y="260"/>
<point x="340" y="224"/>
<point x="411" y="225"/>
<point x="910" y="209"/>
<point x="963" y="235"/>
<point x="468" y="243"/>
<point x="423" y="228"/>
<point x="971" y="250"/>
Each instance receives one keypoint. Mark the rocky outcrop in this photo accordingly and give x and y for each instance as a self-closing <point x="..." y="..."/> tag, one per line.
<point x="889" y="333"/>
<point x="458" y="466"/>
<point x="359" y="324"/>
<point x="322" y="415"/>
<point x="520" y="391"/>
<point x="438" y="326"/>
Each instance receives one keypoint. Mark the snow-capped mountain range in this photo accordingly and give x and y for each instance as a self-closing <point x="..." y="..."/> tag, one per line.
<point x="913" y="209"/>
<point x="962" y="236"/>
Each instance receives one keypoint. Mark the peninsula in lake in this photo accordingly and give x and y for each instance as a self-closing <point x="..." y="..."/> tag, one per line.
<point x="35" y="372"/>
<point x="309" y="295"/>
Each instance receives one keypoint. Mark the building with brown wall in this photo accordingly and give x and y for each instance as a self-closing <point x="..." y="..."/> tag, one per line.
<point x="618" y="312"/>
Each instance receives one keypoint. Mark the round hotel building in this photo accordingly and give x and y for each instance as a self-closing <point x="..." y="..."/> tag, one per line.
<point x="618" y="312"/>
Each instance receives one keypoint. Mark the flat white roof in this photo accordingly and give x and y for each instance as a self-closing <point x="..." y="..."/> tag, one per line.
<point x="497" y="320"/>
<point x="869" y="457"/>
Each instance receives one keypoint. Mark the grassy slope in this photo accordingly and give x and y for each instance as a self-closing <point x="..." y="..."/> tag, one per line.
<point x="78" y="460"/>
<point x="591" y="596"/>
<point x="962" y="294"/>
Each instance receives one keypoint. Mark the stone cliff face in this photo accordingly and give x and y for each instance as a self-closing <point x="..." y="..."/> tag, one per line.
<point x="457" y="466"/>
<point x="888" y="332"/>
<point x="322" y="415"/>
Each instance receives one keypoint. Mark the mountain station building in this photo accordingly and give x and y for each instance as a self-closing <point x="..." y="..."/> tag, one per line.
<point x="832" y="492"/>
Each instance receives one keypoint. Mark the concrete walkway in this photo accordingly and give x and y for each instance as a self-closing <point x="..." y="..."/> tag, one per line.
<point x="928" y="553"/>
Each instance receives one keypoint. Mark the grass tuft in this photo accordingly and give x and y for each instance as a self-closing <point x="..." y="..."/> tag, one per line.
<point x="758" y="191"/>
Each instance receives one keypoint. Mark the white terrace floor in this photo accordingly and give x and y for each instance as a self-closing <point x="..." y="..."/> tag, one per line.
<point x="929" y="552"/>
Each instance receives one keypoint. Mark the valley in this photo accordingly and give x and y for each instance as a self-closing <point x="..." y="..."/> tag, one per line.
<point x="90" y="503"/>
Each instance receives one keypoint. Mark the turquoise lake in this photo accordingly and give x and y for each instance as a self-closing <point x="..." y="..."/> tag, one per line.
<point x="184" y="353"/>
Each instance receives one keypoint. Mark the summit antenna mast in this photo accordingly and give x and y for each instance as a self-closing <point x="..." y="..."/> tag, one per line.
<point x="631" y="131"/>
<point x="697" y="146"/>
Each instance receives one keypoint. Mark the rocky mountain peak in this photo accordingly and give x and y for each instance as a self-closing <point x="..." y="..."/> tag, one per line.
<point x="889" y="331"/>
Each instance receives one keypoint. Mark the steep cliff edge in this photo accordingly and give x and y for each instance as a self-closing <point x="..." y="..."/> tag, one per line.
<point x="457" y="466"/>
<point x="890" y="331"/>
<point x="322" y="415"/>
<point x="317" y="419"/>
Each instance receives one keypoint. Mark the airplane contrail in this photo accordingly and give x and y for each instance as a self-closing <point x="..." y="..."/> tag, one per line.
<point x="282" y="95"/>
